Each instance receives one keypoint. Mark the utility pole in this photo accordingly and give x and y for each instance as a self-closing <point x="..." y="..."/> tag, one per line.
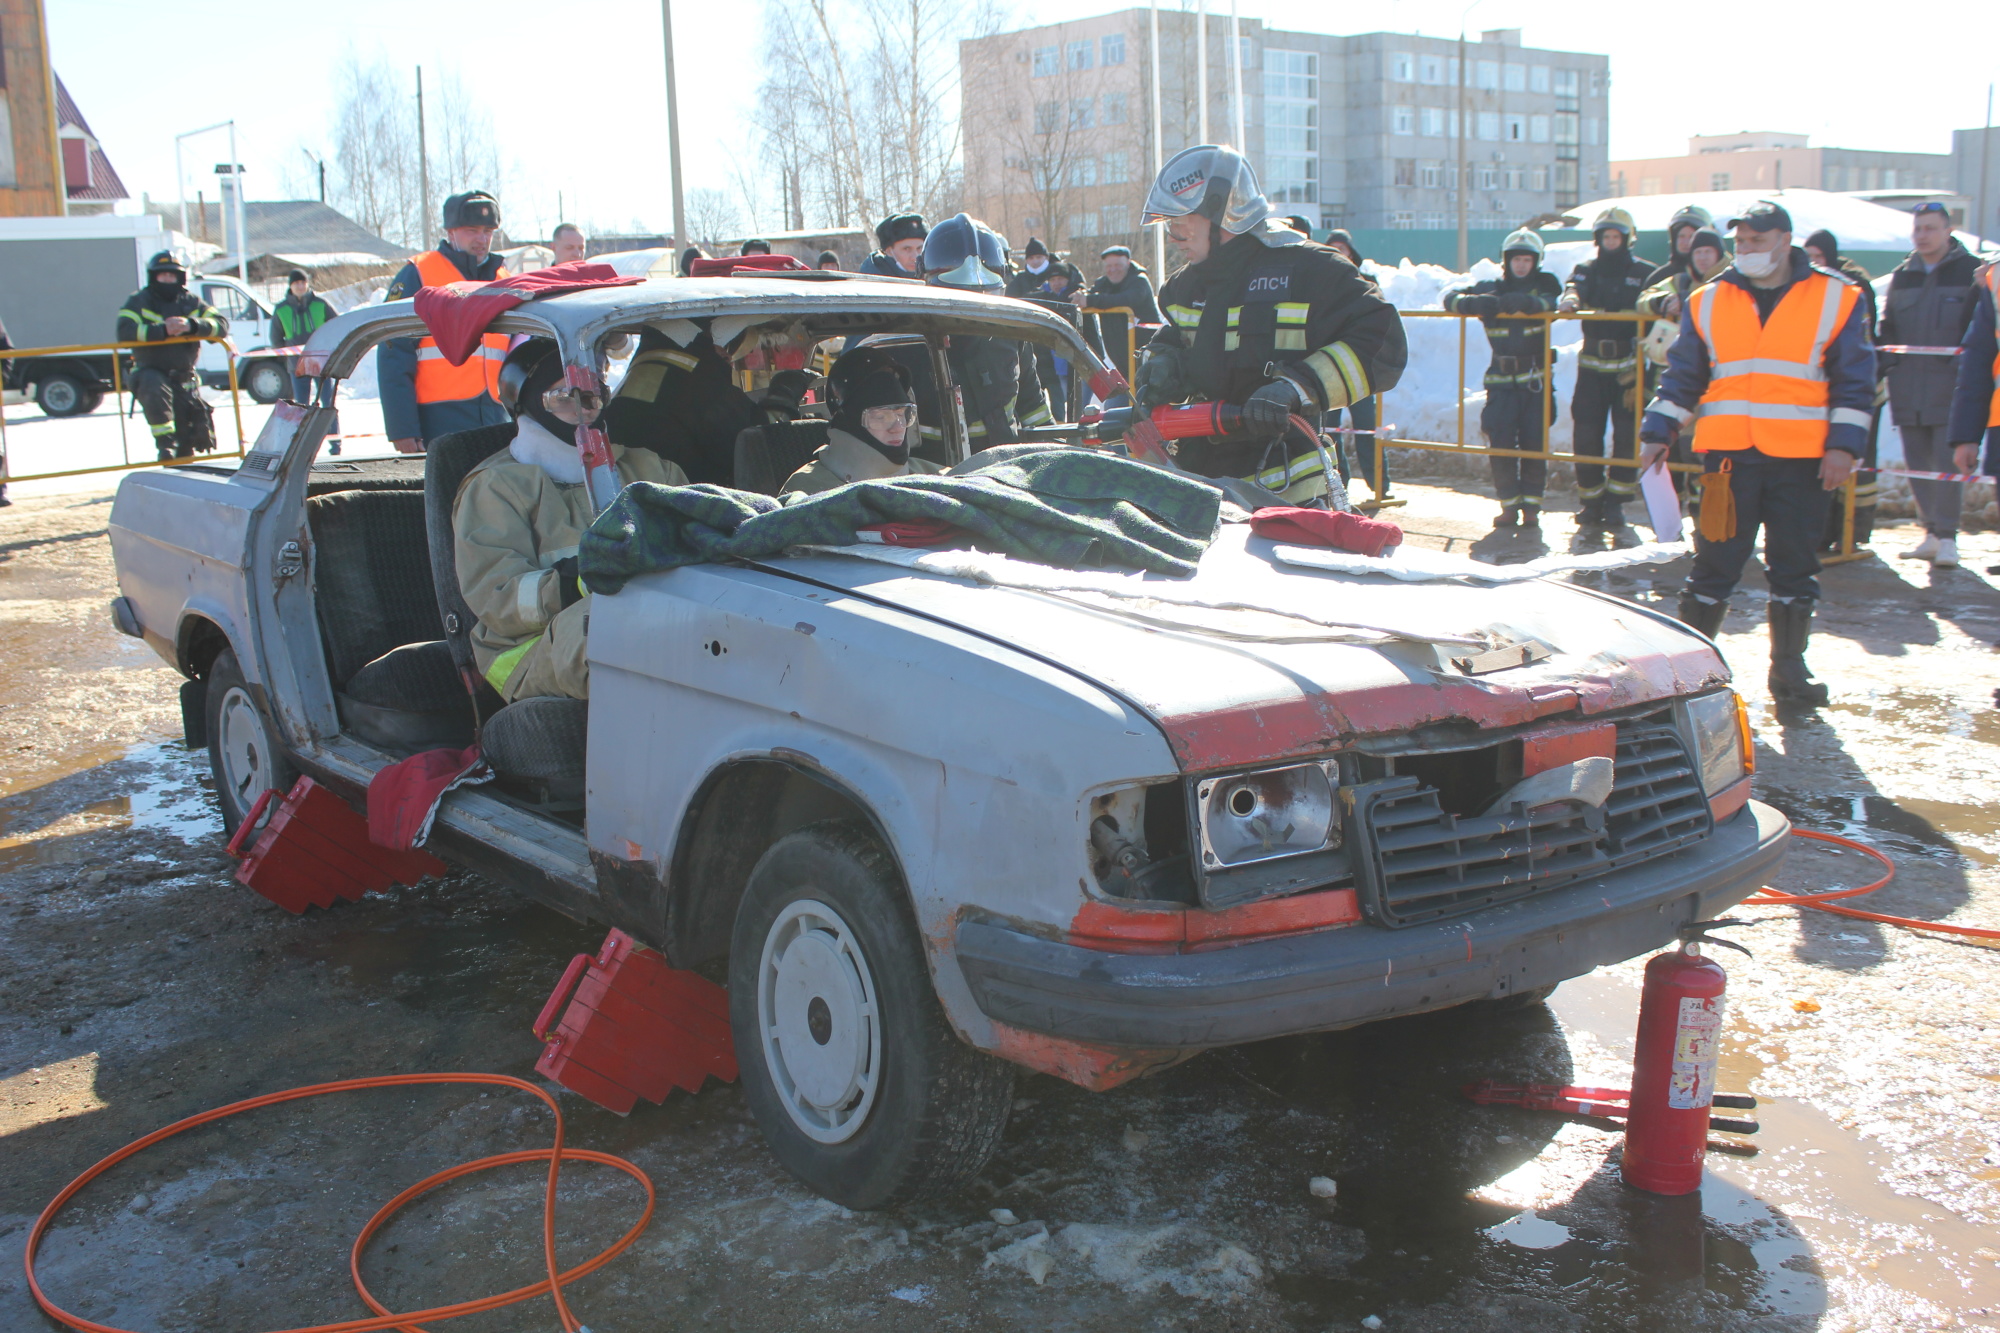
<point x="319" y="162"/>
<point x="1159" y="148"/>
<point x="1236" y="78"/>
<point x="673" y="125"/>
<point x="1985" y="168"/>
<point x="1201" y="64"/>
<point x="423" y="162"/>
<point x="1464" y="244"/>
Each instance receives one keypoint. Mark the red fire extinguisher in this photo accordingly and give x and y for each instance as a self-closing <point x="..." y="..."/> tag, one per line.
<point x="1673" y="1064"/>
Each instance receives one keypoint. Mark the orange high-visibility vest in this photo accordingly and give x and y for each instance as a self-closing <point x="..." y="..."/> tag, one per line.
<point x="438" y="380"/>
<point x="1768" y="386"/>
<point x="1991" y="275"/>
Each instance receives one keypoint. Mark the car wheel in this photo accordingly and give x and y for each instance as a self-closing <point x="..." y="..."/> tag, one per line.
<point x="266" y="381"/>
<point x="861" y="1088"/>
<point x="242" y="747"/>
<point x="60" y="395"/>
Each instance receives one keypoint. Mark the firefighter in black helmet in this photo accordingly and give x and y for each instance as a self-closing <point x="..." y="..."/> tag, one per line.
<point x="1002" y="391"/>
<point x="1260" y="317"/>
<point x="163" y="378"/>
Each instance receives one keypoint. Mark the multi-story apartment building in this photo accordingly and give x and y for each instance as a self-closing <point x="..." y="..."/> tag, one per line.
<point x="1768" y="160"/>
<point x="1361" y="131"/>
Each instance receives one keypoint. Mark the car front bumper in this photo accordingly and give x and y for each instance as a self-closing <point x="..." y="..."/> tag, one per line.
<point x="1357" y="974"/>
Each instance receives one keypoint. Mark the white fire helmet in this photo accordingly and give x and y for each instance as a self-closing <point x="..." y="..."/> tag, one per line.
<point x="1213" y="181"/>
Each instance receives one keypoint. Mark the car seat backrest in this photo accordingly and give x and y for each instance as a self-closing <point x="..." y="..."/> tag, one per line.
<point x="769" y="454"/>
<point x="371" y="575"/>
<point x="446" y="464"/>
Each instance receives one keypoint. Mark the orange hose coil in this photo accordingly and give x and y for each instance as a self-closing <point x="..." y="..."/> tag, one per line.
<point x="1818" y="901"/>
<point x="555" y="1155"/>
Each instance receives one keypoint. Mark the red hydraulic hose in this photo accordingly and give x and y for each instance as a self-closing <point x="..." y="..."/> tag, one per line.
<point x="555" y="1155"/>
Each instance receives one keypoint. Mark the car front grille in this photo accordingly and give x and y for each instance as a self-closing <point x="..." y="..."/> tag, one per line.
<point x="1420" y="862"/>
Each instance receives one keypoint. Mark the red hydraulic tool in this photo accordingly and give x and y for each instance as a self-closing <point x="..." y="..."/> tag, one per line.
<point x="1604" y="1103"/>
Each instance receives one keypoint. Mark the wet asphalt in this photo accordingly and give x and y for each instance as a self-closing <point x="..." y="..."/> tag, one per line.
<point x="142" y="984"/>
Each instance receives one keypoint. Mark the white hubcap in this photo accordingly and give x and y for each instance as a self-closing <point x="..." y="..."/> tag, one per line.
<point x="816" y="1009"/>
<point x="246" y="750"/>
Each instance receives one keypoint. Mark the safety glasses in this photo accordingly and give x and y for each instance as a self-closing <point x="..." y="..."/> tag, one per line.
<point x="578" y="407"/>
<point x="883" y="418"/>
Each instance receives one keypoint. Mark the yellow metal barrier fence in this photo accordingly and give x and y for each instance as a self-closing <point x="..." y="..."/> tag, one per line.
<point x="7" y="473"/>
<point x="1847" y="549"/>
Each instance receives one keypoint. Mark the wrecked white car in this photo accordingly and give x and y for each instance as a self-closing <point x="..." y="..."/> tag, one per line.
<point x="943" y="813"/>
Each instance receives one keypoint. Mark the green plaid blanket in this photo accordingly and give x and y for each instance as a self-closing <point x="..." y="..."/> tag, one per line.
<point x="1070" y="508"/>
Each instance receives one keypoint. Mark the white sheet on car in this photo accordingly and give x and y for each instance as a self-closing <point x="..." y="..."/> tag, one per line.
<point x="1235" y="606"/>
<point x="1416" y="565"/>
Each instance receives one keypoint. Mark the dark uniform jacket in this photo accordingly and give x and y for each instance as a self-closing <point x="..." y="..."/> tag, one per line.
<point x="1610" y="281"/>
<point x="1972" y="398"/>
<point x="1024" y="283"/>
<point x="144" y="317"/>
<point x="683" y="404"/>
<point x="1253" y="303"/>
<point x="1927" y="310"/>
<point x="1515" y="344"/>
<point x="396" y="365"/>
<point x="1135" y="294"/>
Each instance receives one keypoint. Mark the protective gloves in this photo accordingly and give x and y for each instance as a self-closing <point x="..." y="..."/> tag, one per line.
<point x="1160" y="378"/>
<point x="568" y="591"/>
<point x="1479" y="307"/>
<point x="1269" y="410"/>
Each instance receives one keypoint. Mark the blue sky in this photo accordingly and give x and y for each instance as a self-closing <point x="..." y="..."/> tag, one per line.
<point x="596" y="132"/>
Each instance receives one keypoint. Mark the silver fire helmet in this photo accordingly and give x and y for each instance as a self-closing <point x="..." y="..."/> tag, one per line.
<point x="1213" y="181"/>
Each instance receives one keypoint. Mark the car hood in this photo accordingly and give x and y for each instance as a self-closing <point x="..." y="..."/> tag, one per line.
<point x="1231" y="687"/>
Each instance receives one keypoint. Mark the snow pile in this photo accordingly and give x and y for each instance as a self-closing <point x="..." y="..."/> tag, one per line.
<point x="1424" y="406"/>
<point x="1857" y="224"/>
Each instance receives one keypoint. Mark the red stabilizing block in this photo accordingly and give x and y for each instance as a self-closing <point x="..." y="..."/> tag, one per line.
<point x="634" y="1027"/>
<point x="315" y="852"/>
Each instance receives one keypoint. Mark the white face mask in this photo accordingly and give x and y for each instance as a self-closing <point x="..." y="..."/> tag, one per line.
<point x="1757" y="265"/>
<point x="1038" y="265"/>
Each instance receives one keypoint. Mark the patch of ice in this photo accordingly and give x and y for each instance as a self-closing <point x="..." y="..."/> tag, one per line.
<point x="1530" y="1232"/>
<point x="917" y="1295"/>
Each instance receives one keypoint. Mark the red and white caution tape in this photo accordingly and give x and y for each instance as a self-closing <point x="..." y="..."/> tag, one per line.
<point x="1924" y="476"/>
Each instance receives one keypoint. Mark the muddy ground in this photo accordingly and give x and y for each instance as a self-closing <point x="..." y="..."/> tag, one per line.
<point x="140" y="984"/>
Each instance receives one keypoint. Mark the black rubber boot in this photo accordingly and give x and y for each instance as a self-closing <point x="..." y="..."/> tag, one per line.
<point x="1704" y="616"/>
<point x="1791" y="681"/>
<point x="1508" y="518"/>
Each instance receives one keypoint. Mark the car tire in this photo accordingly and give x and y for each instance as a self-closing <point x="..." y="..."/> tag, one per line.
<point x="243" y="753"/>
<point x="61" y="395"/>
<point x="267" y="381"/>
<point x="861" y="1088"/>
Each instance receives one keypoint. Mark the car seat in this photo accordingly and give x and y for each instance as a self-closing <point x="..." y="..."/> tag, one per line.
<point x="394" y="683"/>
<point x="767" y="455"/>
<point x="537" y="746"/>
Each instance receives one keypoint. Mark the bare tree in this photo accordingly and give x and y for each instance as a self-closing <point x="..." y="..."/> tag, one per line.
<point x="711" y="217"/>
<point x="377" y="174"/>
<point x="858" y="109"/>
<point x="1046" y="136"/>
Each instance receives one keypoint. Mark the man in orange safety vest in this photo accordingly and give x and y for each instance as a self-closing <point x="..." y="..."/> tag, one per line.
<point x="424" y="396"/>
<point x="1774" y="371"/>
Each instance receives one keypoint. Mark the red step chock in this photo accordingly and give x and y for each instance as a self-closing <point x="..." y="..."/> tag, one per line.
<point x="632" y="1026"/>
<point x="314" y="851"/>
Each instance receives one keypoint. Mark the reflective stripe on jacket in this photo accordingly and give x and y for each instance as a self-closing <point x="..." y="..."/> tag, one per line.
<point x="1768" y="383"/>
<point x="439" y="381"/>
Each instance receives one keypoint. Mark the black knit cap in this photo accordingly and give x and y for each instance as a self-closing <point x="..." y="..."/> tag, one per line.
<point x="902" y="227"/>
<point x="756" y="247"/>
<point x="1825" y="242"/>
<point x="296" y="275"/>
<point x="1035" y="247"/>
<point x="828" y="257"/>
<point x="1708" y="236"/>
<point x="1342" y="235"/>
